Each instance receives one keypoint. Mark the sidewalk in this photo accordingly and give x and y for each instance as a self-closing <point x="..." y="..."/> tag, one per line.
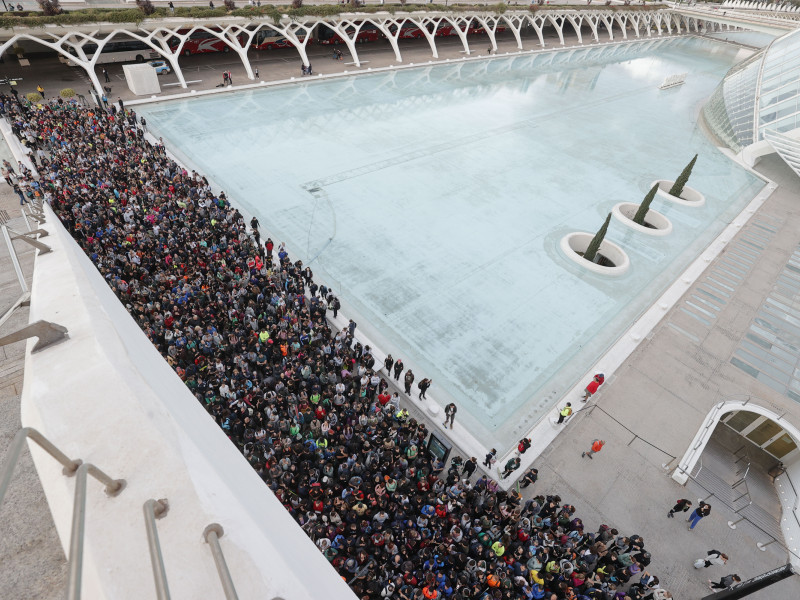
<point x="32" y="562"/>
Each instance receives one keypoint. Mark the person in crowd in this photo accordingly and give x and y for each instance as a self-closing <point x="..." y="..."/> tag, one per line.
<point x="300" y="399"/>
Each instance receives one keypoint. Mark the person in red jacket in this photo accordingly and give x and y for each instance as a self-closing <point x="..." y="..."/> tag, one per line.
<point x="597" y="445"/>
<point x="595" y="383"/>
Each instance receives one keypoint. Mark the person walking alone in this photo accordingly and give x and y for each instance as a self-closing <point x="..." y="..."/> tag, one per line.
<point x="713" y="557"/>
<point x="398" y="368"/>
<point x="682" y="505"/>
<point x="724" y="583"/>
<point x="701" y="511"/>
<point x="450" y="414"/>
<point x="105" y="76"/>
<point x="408" y="380"/>
<point x="597" y="445"/>
<point x="423" y="387"/>
<point x="490" y="458"/>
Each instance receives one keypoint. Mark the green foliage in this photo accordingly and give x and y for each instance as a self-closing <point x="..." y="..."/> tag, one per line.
<point x="594" y="245"/>
<point x="638" y="218"/>
<point x="275" y="13"/>
<point x="67" y="93"/>
<point x="33" y="97"/>
<point x="677" y="187"/>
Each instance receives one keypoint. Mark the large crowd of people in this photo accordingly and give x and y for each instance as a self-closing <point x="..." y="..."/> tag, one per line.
<point x="246" y="328"/>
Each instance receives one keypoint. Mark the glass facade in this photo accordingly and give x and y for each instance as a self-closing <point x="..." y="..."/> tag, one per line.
<point x="761" y="93"/>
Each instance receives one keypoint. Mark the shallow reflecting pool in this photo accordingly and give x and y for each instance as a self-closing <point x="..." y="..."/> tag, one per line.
<point x="433" y="200"/>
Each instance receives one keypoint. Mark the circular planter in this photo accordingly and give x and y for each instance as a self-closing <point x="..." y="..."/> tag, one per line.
<point x="574" y="244"/>
<point x="689" y="197"/>
<point x="657" y="223"/>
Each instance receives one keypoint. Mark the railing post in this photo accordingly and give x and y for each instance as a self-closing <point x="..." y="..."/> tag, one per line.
<point x="70" y="466"/>
<point x="211" y="534"/>
<point x="156" y="509"/>
<point x="732" y="524"/>
<point x="763" y="547"/>
<point x="75" y="558"/>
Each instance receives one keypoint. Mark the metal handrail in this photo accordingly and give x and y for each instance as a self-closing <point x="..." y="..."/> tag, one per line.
<point x="781" y="544"/>
<point x="14" y="451"/>
<point x="75" y="559"/>
<point x="156" y="509"/>
<point x="211" y="534"/>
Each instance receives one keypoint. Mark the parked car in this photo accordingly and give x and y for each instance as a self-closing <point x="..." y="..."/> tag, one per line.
<point x="160" y="66"/>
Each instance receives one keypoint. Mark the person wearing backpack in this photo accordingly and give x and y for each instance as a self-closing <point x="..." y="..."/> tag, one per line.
<point x="423" y="387"/>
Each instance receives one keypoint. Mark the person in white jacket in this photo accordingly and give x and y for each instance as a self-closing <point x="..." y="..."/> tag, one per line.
<point x="713" y="557"/>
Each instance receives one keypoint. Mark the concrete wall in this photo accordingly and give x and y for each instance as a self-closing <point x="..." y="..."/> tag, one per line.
<point x="107" y="397"/>
<point x="790" y="501"/>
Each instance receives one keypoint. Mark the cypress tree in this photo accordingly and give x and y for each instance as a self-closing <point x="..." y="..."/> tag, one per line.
<point x="683" y="179"/>
<point x="638" y="218"/>
<point x="594" y="245"/>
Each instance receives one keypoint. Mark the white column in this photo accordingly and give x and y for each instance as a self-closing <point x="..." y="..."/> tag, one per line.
<point x="290" y="32"/>
<point x="576" y="25"/>
<point x="515" y="27"/>
<point x="623" y="23"/>
<point x="431" y="37"/>
<point x="385" y="27"/>
<point x="490" y="30"/>
<point x="171" y="56"/>
<point x="558" y="27"/>
<point x="609" y="26"/>
<point x="340" y="28"/>
<point x="231" y="35"/>
<point x="537" y="23"/>
<point x="462" y="34"/>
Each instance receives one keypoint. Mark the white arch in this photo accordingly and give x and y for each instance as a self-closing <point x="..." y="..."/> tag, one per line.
<point x="537" y="22"/>
<point x="622" y="20"/>
<point x="490" y="27"/>
<point x="719" y="410"/>
<point x="558" y="26"/>
<point x="576" y="21"/>
<point x="593" y="21"/>
<point x="341" y="29"/>
<point x="462" y="33"/>
<point x="790" y="506"/>
<point x="514" y="23"/>
<point x="431" y="35"/>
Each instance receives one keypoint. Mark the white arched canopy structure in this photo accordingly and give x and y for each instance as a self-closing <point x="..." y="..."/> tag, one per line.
<point x="238" y="33"/>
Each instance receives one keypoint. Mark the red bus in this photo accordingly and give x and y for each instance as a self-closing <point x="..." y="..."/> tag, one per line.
<point x="268" y="39"/>
<point x="200" y="42"/>
<point x="367" y="33"/>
